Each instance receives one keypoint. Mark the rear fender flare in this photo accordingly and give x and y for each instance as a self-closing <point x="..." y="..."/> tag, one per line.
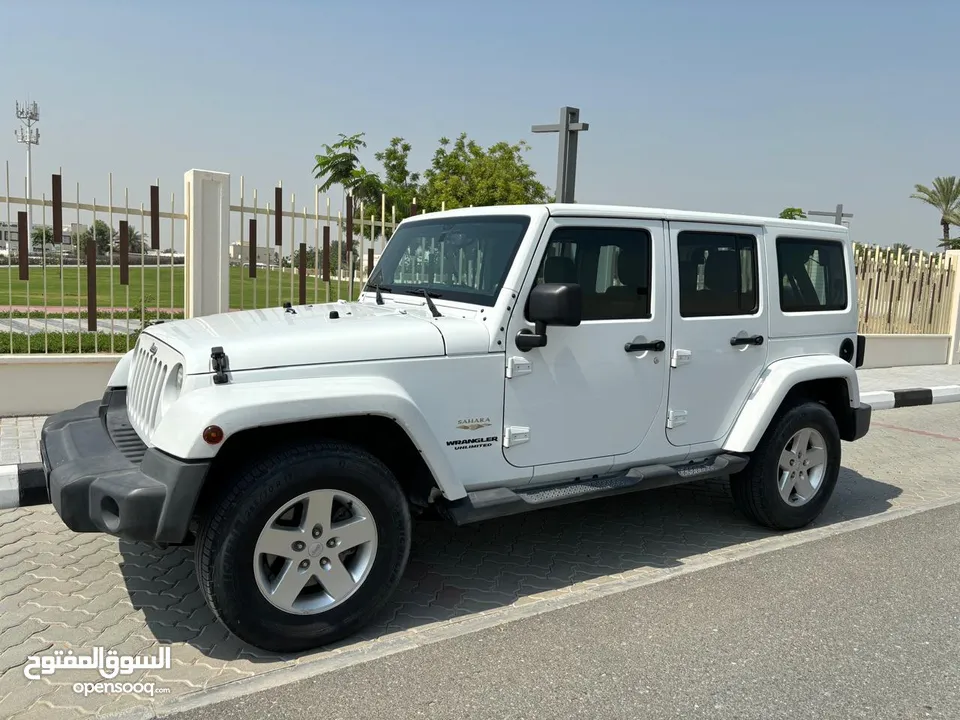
<point x="772" y="387"/>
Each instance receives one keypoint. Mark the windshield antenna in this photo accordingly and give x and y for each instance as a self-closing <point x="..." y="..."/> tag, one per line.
<point x="433" y="308"/>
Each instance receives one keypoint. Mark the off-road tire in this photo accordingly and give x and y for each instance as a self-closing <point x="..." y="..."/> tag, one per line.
<point x="229" y="531"/>
<point x="755" y="489"/>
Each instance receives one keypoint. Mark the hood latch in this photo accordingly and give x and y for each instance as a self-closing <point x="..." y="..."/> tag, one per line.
<point x="221" y="363"/>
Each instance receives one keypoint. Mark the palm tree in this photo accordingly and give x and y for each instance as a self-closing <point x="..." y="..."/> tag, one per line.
<point x="945" y="197"/>
<point x="339" y="162"/>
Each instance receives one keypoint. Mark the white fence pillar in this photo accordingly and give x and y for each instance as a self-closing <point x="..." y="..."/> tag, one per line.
<point x="207" y="242"/>
<point x="953" y="355"/>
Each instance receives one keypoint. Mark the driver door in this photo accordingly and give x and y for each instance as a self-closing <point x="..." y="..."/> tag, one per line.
<point x="587" y="394"/>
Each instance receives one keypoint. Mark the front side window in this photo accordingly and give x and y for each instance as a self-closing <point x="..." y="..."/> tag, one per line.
<point x="463" y="259"/>
<point x="812" y="275"/>
<point x="611" y="265"/>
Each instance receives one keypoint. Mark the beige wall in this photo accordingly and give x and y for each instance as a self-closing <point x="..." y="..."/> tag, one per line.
<point x="44" y="384"/>
<point x="902" y="350"/>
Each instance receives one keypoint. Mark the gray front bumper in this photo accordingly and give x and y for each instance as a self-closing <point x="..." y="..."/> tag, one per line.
<point x="102" y="478"/>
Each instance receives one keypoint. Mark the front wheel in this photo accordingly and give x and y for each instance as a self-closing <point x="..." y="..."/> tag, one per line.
<point x="793" y="471"/>
<point x="304" y="546"/>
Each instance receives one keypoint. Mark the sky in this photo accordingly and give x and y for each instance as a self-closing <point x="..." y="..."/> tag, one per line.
<point x="733" y="106"/>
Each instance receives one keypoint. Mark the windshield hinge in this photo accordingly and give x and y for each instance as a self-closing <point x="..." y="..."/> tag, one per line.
<point x="220" y="363"/>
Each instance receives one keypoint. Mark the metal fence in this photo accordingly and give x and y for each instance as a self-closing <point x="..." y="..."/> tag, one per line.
<point x="86" y="277"/>
<point x="303" y="256"/>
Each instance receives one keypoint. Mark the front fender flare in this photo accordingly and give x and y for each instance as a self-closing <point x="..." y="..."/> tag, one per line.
<point x="772" y="387"/>
<point x="121" y="373"/>
<point x="242" y="406"/>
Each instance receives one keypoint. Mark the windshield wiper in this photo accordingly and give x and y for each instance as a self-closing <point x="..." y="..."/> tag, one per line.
<point x="428" y="296"/>
<point x="378" y="287"/>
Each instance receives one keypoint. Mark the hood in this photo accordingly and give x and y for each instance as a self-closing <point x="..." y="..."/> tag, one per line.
<point x="315" y="334"/>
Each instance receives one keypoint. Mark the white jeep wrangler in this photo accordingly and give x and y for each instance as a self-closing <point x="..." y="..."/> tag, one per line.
<point x="499" y="360"/>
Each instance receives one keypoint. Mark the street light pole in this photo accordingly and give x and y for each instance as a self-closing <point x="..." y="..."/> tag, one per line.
<point x="29" y="115"/>
<point x="838" y="215"/>
<point x="568" y="130"/>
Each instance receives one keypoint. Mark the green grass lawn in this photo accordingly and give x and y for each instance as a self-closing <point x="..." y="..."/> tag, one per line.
<point x="153" y="287"/>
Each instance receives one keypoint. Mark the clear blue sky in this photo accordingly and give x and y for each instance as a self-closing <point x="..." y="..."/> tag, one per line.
<point x="732" y="105"/>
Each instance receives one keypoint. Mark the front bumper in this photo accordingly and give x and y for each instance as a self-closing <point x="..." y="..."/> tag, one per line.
<point x="102" y="478"/>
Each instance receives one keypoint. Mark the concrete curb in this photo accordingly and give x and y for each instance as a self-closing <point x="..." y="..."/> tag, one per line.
<point x="911" y="397"/>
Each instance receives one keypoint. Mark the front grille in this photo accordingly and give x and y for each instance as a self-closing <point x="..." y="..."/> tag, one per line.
<point x="148" y="376"/>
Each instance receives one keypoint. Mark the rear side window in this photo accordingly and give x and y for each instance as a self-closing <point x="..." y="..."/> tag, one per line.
<point x="718" y="274"/>
<point x="812" y="275"/>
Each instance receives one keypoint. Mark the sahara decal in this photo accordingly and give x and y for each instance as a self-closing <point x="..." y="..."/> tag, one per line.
<point x="473" y="423"/>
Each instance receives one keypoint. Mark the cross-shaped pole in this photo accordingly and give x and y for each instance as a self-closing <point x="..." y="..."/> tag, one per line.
<point x="568" y="129"/>
<point x="838" y="215"/>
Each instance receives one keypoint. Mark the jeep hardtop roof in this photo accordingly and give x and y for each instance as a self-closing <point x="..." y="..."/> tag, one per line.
<point x="629" y="211"/>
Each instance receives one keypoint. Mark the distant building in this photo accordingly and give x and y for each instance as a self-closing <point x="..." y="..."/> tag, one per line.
<point x="240" y="253"/>
<point x="8" y="238"/>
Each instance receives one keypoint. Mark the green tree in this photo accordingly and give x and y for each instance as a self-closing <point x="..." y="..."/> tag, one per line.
<point x="793" y="213"/>
<point x="399" y="184"/>
<point x="99" y="233"/>
<point x="944" y="196"/>
<point x="903" y="248"/>
<point x="133" y="235"/>
<point x="338" y="254"/>
<point x="464" y="174"/>
<point x="340" y="163"/>
<point x="312" y="258"/>
<point x="41" y="236"/>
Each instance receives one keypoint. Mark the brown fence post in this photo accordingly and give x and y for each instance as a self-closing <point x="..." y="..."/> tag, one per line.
<point x="57" y="209"/>
<point x="413" y="209"/>
<point x="154" y="218"/>
<point x="369" y="262"/>
<point x="23" y="241"/>
<point x="124" y="252"/>
<point x="326" y="253"/>
<point x="253" y="248"/>
<point x="303" y="273"/>
<point x="278" y="219"/>
<point x="92" y="283"/>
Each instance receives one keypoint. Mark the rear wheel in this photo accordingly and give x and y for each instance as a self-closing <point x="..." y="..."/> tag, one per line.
<point x="793" y="471"/>
<point x="304" y="547"/>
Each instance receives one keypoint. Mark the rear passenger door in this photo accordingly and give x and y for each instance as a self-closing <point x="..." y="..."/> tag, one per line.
<point x="719" y="338"/>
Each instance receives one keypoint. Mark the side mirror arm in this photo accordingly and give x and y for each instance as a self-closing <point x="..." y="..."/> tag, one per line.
<point x="527" y="340"/>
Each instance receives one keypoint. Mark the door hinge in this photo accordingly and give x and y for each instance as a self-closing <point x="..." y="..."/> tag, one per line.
<point x="517" y="366"/>
<point x="680" y="357"/>
<point x="515" y="436"/>
<point x="675" y="418"/>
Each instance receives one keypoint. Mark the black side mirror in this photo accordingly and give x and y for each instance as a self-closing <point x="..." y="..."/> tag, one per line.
<point x="550" y="304"/>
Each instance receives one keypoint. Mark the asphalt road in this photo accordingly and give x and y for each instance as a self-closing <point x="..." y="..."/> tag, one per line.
<point x="860" y="625"/>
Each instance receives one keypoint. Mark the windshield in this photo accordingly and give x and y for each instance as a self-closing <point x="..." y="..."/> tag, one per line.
<point x="464" y="259"/>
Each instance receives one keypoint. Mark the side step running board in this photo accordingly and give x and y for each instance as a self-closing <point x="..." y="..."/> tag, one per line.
<point x="23" y="485"/>
<point x="500" y="502"/>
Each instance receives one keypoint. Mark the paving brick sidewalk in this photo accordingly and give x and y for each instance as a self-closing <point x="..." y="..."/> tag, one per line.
<point x="59" y="589"/>
<point x="901" y="378"/>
